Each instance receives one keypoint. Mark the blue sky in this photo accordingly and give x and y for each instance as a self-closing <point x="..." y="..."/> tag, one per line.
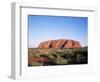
<point x="42" y="28"/>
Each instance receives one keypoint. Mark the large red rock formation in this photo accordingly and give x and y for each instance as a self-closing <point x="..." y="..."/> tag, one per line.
<point x="60" y="43"/>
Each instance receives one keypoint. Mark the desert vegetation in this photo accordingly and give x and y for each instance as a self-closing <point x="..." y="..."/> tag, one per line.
<point x="50" y="56"/>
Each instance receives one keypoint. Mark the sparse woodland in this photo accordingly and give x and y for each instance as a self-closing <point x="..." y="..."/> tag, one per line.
<point x="50" y="56"/>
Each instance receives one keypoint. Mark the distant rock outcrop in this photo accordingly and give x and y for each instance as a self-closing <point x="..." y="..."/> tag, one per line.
<point x="60" y="43"/>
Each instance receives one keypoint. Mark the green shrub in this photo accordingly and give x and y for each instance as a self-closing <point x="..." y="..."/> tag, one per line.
<point x="61" y="61"/>
<point x="36" y="64"/>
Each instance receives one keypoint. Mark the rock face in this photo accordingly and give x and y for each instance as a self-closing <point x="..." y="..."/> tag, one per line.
<point x="60" y="43"/>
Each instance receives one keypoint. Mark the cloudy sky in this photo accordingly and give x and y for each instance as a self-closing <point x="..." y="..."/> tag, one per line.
<point x="42" y="28"/>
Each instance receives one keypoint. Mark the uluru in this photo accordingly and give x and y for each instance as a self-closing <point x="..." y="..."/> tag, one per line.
<point x="60" y="43"/>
